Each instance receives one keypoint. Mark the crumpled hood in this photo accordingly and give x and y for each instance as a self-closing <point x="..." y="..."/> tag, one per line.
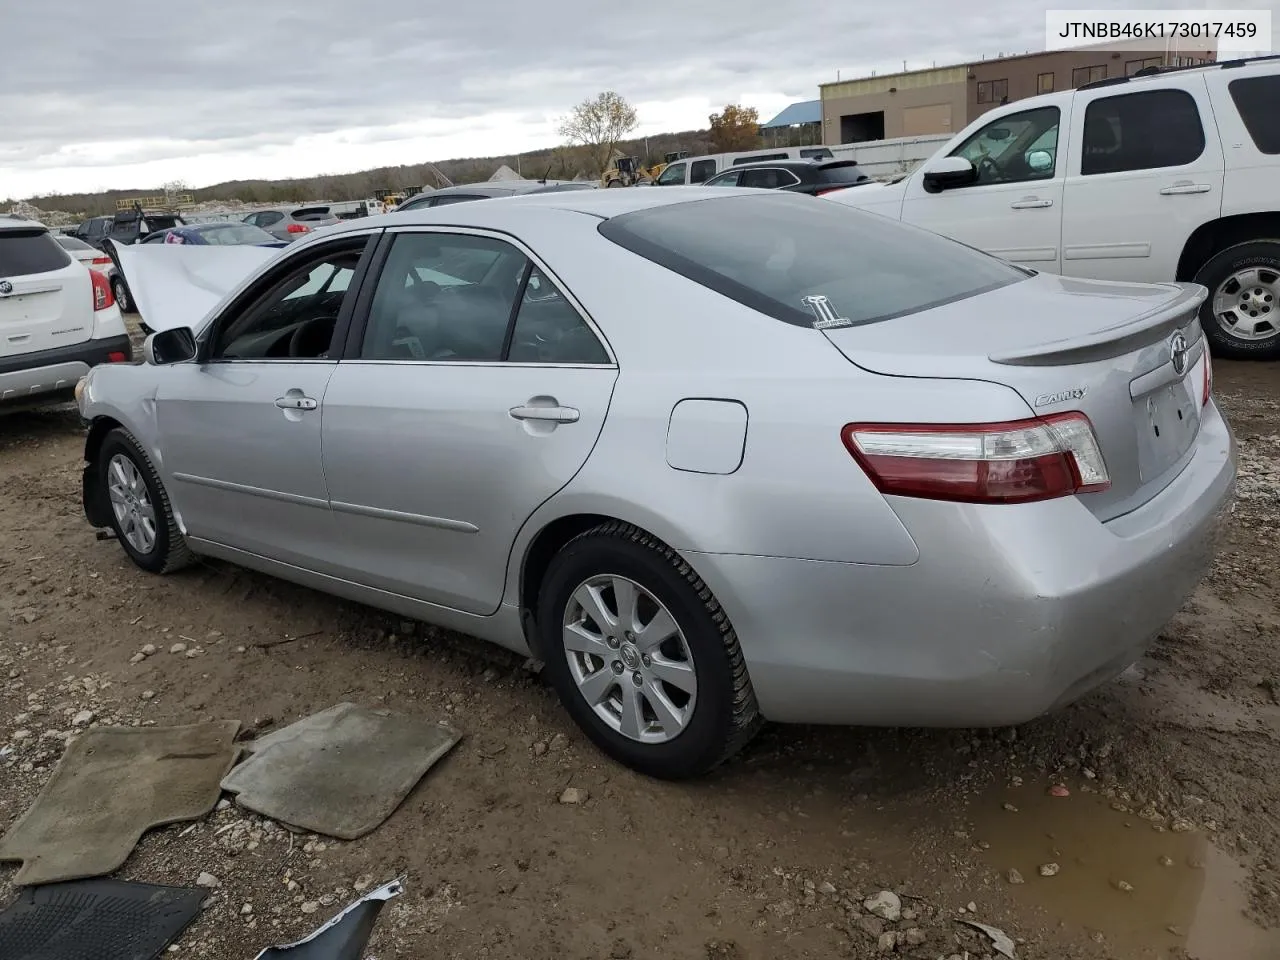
<point x="177" y="285"/>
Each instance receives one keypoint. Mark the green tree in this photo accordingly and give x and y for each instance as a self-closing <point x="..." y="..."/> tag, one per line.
<point x="735" y="128"/>
<point x="597" y="125"/>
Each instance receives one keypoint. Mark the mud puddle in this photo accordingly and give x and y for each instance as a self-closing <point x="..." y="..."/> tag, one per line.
<point x="1147" y="884"/>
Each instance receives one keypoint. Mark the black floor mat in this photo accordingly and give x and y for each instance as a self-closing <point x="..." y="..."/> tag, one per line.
<point x="96" y="920"/>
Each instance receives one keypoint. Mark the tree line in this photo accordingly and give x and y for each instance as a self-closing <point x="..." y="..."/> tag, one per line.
<point x="594" y="132"/>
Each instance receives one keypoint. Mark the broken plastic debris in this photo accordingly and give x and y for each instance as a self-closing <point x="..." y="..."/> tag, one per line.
<point x="345" y="936"/>
<point x="1058" y="790"/>
<point x="1000" y="941"/>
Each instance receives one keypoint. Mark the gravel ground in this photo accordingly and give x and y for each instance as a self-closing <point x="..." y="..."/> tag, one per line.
<point x="813" y="843"/>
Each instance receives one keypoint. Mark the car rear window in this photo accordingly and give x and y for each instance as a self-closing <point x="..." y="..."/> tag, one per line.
<point x="1256" y="99"/>
<point x="769" y="251"/>
<point x="72" y="243"/>
<point x="30" y="251"/>
<point x="843" y="173"/>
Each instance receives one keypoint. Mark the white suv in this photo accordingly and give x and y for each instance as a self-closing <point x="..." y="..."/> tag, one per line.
<point x="1168" y="176"/>
<point x="57" y="317"/>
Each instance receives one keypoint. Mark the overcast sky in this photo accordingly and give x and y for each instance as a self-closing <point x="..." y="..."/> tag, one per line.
<point x="134" y="93"/>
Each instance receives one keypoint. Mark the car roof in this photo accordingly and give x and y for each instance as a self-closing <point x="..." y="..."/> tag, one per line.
<point x="808" y="163"/>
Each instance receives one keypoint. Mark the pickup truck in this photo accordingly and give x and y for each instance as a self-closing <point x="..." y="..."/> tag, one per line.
<point x="1172" y="175"/>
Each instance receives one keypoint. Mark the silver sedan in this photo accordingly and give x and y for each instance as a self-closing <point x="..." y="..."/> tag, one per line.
<point x="713" y="458"/>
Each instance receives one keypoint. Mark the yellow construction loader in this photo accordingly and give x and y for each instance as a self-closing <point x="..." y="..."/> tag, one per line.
<point x="628" y="171"/>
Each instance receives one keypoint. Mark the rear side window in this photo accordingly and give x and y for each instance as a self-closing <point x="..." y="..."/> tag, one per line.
<point x="770" y="178"/>
<point x="30" y="251"/>
<point x="456" y="198"/>
<point x="699" y="170"/>
<point x="770" y="251"/>
<point x="842" y="174"/>
<point x="1141" y="131"/>
<point x="1258" y="100"/>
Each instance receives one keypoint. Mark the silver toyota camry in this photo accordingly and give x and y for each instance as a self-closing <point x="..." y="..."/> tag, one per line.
<point x="713" y="459"/>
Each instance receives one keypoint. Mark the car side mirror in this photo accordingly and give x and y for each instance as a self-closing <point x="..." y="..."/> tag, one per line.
<point x="1039" y="160"/>
<point x="949" y="172"/>
<point x="170" y="346"/>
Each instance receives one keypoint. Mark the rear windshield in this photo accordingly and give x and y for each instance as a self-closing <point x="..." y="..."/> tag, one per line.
<point x="1256" y="99"/>
<point x="71" y="243"/>
<point x="29" y="251"/>
<point x="843" y="174"/>
<point x="769" y="251"/>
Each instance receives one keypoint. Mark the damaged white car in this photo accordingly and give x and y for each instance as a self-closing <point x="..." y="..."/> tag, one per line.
<point x="831" y="469"/>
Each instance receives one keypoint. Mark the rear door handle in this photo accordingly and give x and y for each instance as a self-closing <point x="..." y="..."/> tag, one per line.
<point x="296" y="403"/>
<point x="552" y="414"/>
<point x="1031" y="203"/>
<point x="1185" y="186"/>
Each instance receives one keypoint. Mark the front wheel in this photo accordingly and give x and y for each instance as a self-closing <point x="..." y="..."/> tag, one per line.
<point x="643" y="656"/>
<point x="141" y="516"/>
<point x="1241" y="316"/>
<point x="120" y="291"/>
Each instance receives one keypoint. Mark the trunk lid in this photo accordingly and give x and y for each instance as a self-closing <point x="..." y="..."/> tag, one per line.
<point x="46" y="297"/>
<point x="1103" y="348"/>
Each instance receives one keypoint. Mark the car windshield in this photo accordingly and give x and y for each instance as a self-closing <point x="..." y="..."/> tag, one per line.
<point x="770" y="251"/>
<point x="233" y="234"/>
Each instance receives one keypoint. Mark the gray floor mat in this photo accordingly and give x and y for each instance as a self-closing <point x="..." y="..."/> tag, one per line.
<point x="110" y="787"/>
<point x="96" y="920"/>
<point x="340" y="772"/>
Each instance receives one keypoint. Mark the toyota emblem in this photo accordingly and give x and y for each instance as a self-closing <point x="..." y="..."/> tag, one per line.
<point x="6" y="288"/>
<point x="1178" y="353"/>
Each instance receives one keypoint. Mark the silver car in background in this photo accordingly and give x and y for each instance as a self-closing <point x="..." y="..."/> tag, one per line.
<point x="293" y="222"/>
<point x="714" y="456"/>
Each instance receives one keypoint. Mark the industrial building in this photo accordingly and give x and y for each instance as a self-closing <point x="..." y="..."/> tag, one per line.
<point x="942" y="100"/>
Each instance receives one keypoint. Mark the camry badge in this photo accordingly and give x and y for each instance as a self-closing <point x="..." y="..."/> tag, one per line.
<point x="1062" y="396"/>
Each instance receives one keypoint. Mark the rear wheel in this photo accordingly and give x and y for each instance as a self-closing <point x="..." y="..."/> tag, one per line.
<point x="643" y="656"/>
<point x="141" y="516"/>
<point x="1241" y="316"/>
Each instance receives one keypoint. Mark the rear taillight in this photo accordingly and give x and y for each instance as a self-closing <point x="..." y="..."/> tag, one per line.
<point x="297" y="228"/>
<point x="102" y="297"/>
<point x="1208" y="378"/>
<point x="117" y="356"/>
<point x="100" y="261"/>
<point x="825" y="190"/>
<point x="1017" y="462"/>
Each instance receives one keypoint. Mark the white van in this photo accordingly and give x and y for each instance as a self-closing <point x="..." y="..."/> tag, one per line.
<point x="701" y="169"/>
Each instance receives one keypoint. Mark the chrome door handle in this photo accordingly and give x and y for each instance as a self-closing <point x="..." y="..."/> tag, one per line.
<point x="1185" y="186"/>
<point x="296" y="403"/>
<point x="552" y="414"/>
<point x="1031" y="203"/>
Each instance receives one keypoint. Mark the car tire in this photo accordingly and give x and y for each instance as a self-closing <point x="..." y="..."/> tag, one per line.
<point x="126" y="471"/>
<point x="1244" y="284"/>
<point x="706" y="724"/>
<point x="120" y="290"/>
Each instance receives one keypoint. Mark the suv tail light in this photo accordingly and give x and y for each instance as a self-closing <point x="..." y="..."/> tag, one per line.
<point x="826" y="190"/>
<point x="102" y="297"/>
<point x="297" y="228"/>
<point x="101" y="261"/>
<point x="1208" y="377"/>
<point x="1018" y="462"/>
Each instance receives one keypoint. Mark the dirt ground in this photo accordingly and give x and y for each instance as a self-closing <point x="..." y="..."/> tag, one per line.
<point x="1168" y="845"/>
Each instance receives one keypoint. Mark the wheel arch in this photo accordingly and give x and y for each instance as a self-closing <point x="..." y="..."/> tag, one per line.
<point x="96" y="508"/>
<point x="1215" y="236"/>
<point x="549" y="539"/>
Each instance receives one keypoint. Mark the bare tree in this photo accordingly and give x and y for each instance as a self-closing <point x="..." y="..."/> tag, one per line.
<point x="597" y="124"/>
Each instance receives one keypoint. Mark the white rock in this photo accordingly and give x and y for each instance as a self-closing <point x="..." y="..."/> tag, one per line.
<point x="148" y="649"/>
<point x="148" y="694"/>
<point x="826" y="887"/>
<point x="21" y="735"/>
<point x="886" y="905"/>
<point x="209" y="881"/>
<point x="310" y="906"/>
<point x="137" y="658"/>
<point x="178" y="648"/>
<point x="574" y="795"/>
<point x="83" y="718"/>
<point x="246" y="909"/>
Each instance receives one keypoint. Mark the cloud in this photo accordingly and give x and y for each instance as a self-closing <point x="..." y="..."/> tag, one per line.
<point x="94" y="96"/>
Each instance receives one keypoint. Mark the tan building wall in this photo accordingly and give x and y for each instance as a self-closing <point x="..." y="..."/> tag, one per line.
<point x="911" y="104"/>
<point x="947" y="99"/>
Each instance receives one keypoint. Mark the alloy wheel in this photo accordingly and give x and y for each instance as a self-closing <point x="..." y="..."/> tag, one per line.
<point x="131" y="503"/>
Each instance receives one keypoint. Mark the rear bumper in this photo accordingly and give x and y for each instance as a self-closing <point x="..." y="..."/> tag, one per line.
<point x="48" y="372"/>
<point x="1010" y="612"/>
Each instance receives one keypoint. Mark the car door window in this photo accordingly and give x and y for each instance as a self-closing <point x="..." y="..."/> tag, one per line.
<point x="295" y="318"/>
<point x="456" y="198"/>
<point x="444" y="297"/>
<point x="700" y="170"/>
<point x="549" y="329"/>
<point x="767" y="179"/>
<point x="674" y="174"/>
<point x="1256" y="99"/>
<point x="1013" y="148"/>
<point x="1141" y="131"/>
<point x="725" y="179"/>
<point x="269" y="217"/>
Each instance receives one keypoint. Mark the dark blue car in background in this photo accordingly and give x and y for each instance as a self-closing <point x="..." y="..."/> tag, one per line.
<point x="218" y="234"/>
